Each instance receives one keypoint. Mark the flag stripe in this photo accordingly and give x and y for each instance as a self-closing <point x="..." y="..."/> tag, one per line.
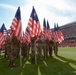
<point x="33" y="24"/>
<point x="16" y="27"/>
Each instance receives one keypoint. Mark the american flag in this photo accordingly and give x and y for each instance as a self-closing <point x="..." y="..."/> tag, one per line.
<point x="49" y="33"/>
<point x="26" y="37"/>
<point x="2" y="39"/>
<point x="3" y="35"/>
<point x="16" y="26"/>
<point x="33" y="24"/>
<point x="42" y="35"/>
<point x="55" y="33"/>
<point x="44" y="29"/>
<point x="58" y="35"/>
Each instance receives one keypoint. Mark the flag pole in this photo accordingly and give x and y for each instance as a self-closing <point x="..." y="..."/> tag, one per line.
<point x="35" y="55"/>
<point x="20" y="57"/>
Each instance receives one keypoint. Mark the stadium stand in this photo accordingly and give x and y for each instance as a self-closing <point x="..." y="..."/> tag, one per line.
<point x="69" y="32"/>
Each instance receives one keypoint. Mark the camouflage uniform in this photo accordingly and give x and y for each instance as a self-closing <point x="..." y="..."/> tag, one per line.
<point x="28" y="50"/>
<point x="39" y="47"/>
<point x="24" y="49"/>
<point x="47" y="48"/>
<point x="44" y="47"/>
<point x="9" y="52"/>
<point x="50" y="47"/>
<point x="56" y="48"/>
<point x="15" y="48"/>
<point x="33" y="47"/>
<point x="7" y="48"/>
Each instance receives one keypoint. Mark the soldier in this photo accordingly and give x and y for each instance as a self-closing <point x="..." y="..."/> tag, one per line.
<point x="47" y="47"/>
<point x="44" y="47"/>
<point x="7" y="47"/>
<point x="39" y="47"/>
<point x="15" y="48"/>
<point x="24" y="49"/>
<point x="11" y="59"/>
<point x="9" y="53"/>
<point x="56" y="48"/>
<point x="7" y="41"/>
<point x="33" y="51"/>
<point x="50" y="47"/>
<point x="28" y="49"/>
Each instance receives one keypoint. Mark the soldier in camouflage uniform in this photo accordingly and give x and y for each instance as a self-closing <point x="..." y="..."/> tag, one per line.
<point x="15" y="48"/>
<point x="8" y="50"/>
<point x="44" y="47"/>
<point x="51" y="43"/>
<point x="24" y="49"/>
<point x="56" y="48"/>
<point x="39" y="47"/>
<point x="28" y="50"/>
<point x="33" y="53"/>
<point x="7" y="44"/>
<point x="7" y="47"/>
<point x="47" y="47"/>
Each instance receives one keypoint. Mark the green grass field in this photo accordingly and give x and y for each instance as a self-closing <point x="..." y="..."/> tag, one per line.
<point x="64" y="64"/>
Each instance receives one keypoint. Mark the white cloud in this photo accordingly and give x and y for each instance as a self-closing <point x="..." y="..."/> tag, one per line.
<point x="42" y="9"/>
<point x="59" y="4"/>
<point x="43" y="12"/>
<point x="8" y="6"/>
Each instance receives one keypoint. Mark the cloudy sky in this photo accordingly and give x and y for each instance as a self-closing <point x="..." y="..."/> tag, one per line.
<point x="55" y="11"/>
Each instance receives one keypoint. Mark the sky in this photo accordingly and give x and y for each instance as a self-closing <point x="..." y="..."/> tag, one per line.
<point x="55" y="11"/>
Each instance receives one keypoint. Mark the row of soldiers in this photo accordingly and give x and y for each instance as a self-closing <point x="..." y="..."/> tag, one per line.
<point x="37" y="49"/>
<point x="44" y="48"/>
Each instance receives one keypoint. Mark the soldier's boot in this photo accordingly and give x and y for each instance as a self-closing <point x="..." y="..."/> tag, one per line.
<point x="12" y="64"/>
<point x="32" y="60"/>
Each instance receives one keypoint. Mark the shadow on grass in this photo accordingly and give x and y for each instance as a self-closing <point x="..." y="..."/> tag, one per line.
<point x="28" y="68"/>
<point x="5" y="69"/>
<point x="49" y="66"/>
<point x="67" y="60"/>
<point x="53" y="66"/>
